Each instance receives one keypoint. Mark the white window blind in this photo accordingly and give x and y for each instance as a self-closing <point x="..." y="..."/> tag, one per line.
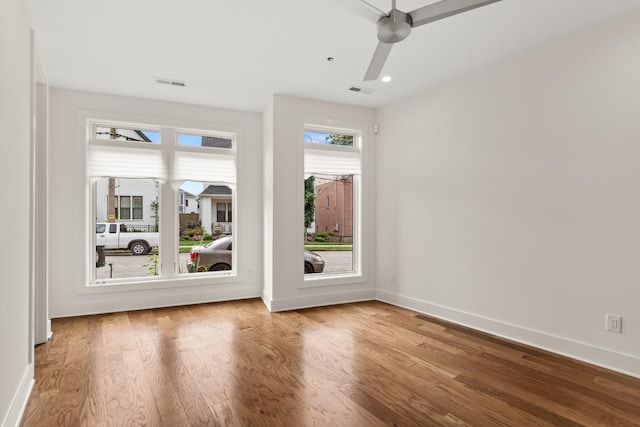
<point x="132" y="162"/>
<point x="205" y="167"/>
<point x="331" y="162"/>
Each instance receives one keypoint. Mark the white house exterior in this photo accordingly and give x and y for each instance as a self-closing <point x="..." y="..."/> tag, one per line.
<point x="188" y="203"/>
<point x="216" y="209"/>
<point x="133" y="200"/>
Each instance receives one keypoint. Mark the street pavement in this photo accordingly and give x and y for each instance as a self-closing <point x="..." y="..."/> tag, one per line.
<point x="126" y="266"/>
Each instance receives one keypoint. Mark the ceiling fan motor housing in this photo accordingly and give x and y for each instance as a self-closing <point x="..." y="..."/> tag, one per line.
<point x="394" y="27"/>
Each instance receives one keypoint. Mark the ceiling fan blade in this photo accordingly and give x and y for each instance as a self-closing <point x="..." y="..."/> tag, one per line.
<point x="378" y="60"/>
<point x="379" y="12"/>
<point x="444" y="9"/>
<point x="360" y="8"/>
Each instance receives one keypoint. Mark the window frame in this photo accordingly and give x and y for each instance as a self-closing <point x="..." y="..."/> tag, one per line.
<point x="168" y="131"/>
<point x="361" y="134"/>
<point x="131" y="208"/>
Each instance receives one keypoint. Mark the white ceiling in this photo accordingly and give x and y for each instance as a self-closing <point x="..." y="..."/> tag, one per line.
<point x="237" y="53"/>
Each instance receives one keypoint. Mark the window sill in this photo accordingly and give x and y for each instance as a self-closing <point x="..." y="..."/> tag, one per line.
<point x="321" y="280"/>
<point x="146" y="283"/>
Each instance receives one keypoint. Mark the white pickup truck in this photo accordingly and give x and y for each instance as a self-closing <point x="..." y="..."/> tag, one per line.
<point x="116" y="235"/>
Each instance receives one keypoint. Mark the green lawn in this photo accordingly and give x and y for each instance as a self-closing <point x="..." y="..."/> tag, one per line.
<point x="327" y="246"/>
<point x="186" y="245"/>
<point x="189" y="243"/>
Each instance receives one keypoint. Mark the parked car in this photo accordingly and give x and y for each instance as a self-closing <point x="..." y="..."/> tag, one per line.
<point x="216" y="256"/>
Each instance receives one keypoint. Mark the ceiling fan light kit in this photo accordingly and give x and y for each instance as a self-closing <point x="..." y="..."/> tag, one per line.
<point x="396" y="26"/>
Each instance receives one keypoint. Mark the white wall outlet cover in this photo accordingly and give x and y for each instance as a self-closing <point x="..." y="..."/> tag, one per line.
<point x="614" y="323"/>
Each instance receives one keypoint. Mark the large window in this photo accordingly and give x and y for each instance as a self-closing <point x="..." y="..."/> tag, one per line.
<point x="142" y="179"/>
<point x="332" y="161"/>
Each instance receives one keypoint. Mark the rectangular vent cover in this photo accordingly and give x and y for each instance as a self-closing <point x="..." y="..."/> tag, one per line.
<point x="359" y="89"/>
<point x="169" y="82"/>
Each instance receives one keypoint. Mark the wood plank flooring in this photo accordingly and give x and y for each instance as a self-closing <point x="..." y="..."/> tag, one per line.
<point x="361" y="364"/>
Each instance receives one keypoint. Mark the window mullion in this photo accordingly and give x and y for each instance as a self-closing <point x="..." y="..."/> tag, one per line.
<point x="168" y="213"/>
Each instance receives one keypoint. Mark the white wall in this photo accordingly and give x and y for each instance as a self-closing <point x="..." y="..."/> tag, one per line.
<point x="16" y="368"/>
<point x="191" y="204"/>
<point x="285" y="286"/>
<point x="517" y="197"/>
<point x="69" y="219"/>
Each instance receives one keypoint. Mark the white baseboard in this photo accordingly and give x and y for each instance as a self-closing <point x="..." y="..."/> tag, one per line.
<point x="20" y="399"/>
<point x="320" y="300"/>
<point x="143" y="301"/>
<point x="266" y="299"/>
<point x="606" y="358"/>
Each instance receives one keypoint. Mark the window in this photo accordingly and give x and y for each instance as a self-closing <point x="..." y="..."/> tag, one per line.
<point x="123" y="209"/>
<point x="141" y="179"/>
<point x="136" y="204"/>
<point x="117" y="133"/>
<point x="329" y="137"/>
<point x="205" y="141"/>
<point x="224" y="212"/>
<point x="332" y="180"/>
<point x="128" y="207"/>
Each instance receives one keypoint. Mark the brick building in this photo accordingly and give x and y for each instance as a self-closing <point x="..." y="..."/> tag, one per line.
<point x="334" y="207"/>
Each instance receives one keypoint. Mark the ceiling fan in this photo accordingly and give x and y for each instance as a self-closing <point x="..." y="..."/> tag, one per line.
<point x="396" y="25"/>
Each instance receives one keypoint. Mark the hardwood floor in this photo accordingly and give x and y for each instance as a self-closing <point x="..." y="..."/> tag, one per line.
<point x="362" y="364"/>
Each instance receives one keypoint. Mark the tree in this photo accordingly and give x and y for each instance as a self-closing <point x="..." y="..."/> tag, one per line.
<point x="309" y="201"/>
<point x="338" y="139"/>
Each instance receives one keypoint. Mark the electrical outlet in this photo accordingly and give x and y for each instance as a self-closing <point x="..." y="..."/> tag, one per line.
<point x="614" y="323"/>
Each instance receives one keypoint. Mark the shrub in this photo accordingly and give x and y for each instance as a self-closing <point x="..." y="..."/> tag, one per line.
<point x="194" y="231"/>
<point x="206" y="237"/>
<point x="185" y="237"/>
<point x="193" y="224"/>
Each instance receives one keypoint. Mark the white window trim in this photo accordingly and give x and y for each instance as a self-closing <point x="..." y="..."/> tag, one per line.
<point x="85" y="121"/>
<point x="360" y="199"/>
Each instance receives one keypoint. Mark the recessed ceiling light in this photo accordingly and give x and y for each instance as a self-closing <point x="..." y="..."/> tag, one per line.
<point x="386" y="79"/>
<point x="330" y="58"/>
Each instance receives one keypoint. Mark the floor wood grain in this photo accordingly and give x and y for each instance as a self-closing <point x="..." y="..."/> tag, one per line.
<point x="361" y="364"/>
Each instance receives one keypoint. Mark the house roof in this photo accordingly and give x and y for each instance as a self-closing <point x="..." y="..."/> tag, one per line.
<point x="216" y="190"/>
<point x="187" y="194"/>
<point x="214" y="141"/>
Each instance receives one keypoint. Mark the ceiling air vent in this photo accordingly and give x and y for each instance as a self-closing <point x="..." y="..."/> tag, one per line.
<point x="359" y="89"/>
<point x="169" y="82"/>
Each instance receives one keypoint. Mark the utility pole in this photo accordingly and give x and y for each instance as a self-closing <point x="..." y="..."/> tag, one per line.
<point x="111" y="191"/>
